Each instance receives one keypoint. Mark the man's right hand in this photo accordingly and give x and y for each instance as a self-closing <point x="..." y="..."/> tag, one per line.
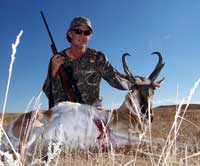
<point x="56" y="62"/>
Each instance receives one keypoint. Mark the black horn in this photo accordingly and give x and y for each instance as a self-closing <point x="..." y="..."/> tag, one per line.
<point x="158" y="67"/>
<point x="126" y="69"/>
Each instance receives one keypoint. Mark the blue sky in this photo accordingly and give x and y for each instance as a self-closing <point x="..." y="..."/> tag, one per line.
<point x="135" y="26"/>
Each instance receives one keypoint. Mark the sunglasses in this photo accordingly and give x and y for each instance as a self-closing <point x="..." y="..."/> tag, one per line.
<point x="79" y="32"/>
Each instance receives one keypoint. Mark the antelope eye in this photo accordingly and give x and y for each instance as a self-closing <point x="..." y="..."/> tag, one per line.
<point x="131" y="90"/>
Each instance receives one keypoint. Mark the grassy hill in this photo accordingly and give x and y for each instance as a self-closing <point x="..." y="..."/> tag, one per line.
<point x="164" y="117"/>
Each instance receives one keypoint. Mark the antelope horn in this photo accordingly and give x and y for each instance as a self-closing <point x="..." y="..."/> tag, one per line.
<point x="158" y="67"/>
<point x="126" y="69"/>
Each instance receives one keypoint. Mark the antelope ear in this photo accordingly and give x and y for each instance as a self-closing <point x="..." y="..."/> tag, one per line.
<point x="160" y="81"/>
<point x="156" y="85"/>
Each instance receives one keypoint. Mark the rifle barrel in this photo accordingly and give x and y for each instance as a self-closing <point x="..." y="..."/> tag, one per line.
<point x="46" y="25"/>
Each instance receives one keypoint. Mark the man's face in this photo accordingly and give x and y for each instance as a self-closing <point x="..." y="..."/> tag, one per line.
<point x="80" y="36"/>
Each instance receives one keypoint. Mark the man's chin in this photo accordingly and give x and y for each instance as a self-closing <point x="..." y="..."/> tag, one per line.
<point x="82" y="46"/>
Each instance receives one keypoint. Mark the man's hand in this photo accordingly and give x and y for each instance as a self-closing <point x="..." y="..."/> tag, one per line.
<point x="56" y="62"/>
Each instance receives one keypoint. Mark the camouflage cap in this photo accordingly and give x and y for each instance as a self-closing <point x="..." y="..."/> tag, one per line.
<point x="80" y="21"/>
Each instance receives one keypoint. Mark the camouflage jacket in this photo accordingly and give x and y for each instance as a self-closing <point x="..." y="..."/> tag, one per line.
<point x="88" y="71"/>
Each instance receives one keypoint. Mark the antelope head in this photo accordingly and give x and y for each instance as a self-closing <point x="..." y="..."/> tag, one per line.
<point x="138" y="102"/>
<point x="142" y="89"/>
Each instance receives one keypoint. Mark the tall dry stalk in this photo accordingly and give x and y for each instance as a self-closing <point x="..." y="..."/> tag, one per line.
<point x="176" y="127"/>
<point x="14" y="49"/>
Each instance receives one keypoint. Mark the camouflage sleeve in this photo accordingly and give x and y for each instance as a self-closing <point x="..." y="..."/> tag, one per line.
<point x="111" y="75"/>
<point x="54" y="85"/>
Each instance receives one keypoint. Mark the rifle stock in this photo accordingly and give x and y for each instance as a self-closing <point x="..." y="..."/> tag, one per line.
<point x="66" y="75"/>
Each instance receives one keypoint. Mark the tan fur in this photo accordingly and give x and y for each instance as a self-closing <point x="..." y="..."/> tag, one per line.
<point x="23" y="121"/>
<point x="124" y="120"/>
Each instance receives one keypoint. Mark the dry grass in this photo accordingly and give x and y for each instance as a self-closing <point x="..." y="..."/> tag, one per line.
<point x="189" y="131"/>
<point x="144" y="155"/>
<point x="99" y="159"/>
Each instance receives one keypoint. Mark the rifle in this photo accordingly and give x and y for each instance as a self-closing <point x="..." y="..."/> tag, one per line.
<point x="68" y="82"/>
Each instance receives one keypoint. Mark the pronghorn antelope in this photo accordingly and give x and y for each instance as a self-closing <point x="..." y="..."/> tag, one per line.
<point x="80" y="126"/>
